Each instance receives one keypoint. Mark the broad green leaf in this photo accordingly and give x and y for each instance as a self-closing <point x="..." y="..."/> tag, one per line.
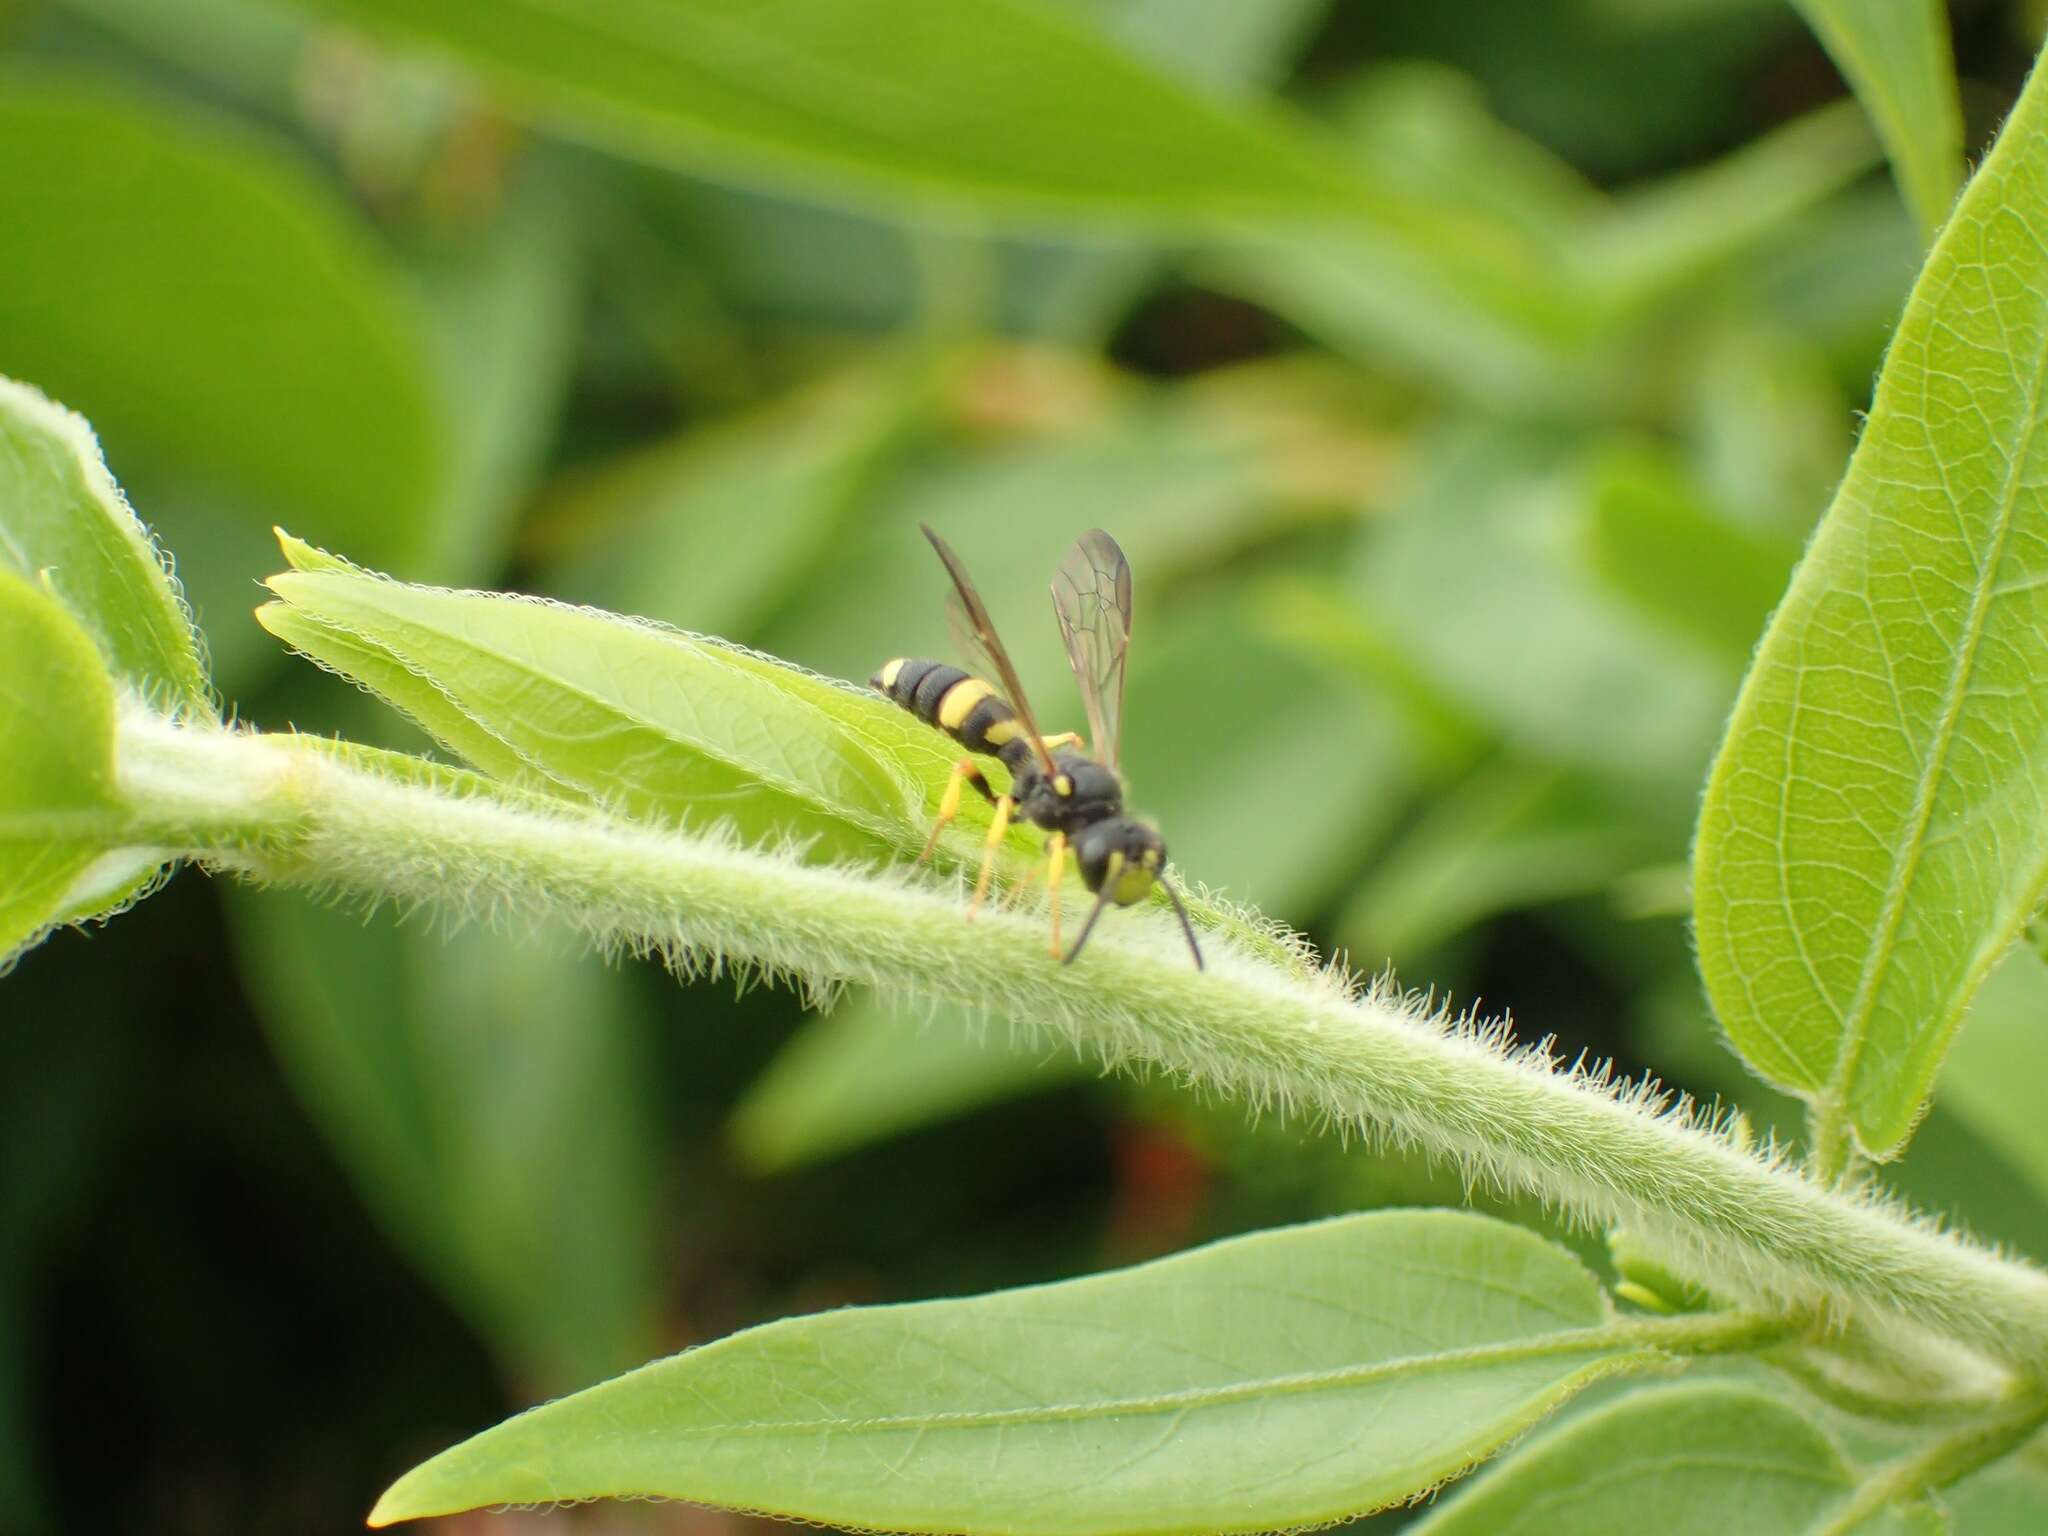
<point x="2009" y="1498"/>
<point x="57" y="794"/>
<point x="241" y="345"/>
<point x="1874" y="833"/>
<point x="489" y="1098"/>
<point x="1993" y="1073"/>
<point x="1000" y="106"/>
<point x="1685" y="567"/>
<point x="64" y="522"/>
<point x="1283" y="1379"/>
<point x="1896" y="55"/>
<point x="1691" y="1460"/>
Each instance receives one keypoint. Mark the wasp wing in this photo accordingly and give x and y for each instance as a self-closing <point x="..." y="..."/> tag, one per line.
<point x="1092" y="597"/>
<point x="975" y="632"/>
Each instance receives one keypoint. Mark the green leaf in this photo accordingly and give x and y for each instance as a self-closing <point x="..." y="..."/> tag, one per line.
<point x="998" y="106"/>
<point x="489" y="1096"/>
<point x="604" y="709"/>
<point x="57" y="793"/>
<point x="1872" y="835"/>
<point x="1691" y="1460"/>
<point x="64" y="522"/>
<point x="226" y="322"/>
<point x="1283" y="1379"/>
<point x="2008" y="1499"/>
<point x="1896" y="56"/>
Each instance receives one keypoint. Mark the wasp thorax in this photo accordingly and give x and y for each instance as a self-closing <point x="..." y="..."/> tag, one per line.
<point x="1123" y="855"/>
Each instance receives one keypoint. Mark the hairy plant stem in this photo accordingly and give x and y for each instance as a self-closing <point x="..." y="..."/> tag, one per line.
<point x="277" y="809"/>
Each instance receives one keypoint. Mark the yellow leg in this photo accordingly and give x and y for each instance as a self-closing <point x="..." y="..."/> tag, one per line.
<point x="996" y="829"/>
<point x="1040" y="869"/>
<point x="949" y="803"/>
<point x="1065" y="739"/>
<point x="1055" y="876"/>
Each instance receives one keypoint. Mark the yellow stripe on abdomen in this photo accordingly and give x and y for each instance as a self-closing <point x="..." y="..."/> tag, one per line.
<point x="959" y="702"/>
<point x="887" y="676"/>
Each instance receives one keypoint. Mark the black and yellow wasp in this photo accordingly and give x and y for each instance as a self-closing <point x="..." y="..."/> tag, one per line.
<point x="1055" y="782"/>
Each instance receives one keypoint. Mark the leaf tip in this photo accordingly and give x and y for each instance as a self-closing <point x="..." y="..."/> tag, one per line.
<point x="398" y="1503"/>
<point x="301" y="556"/>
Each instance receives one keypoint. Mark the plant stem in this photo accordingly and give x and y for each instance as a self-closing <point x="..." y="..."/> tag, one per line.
<point x="1384" y="1064"/>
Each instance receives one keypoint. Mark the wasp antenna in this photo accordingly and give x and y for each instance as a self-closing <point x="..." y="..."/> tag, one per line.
<point x="1186" y="927"/>
<point x="1101" y="901"/>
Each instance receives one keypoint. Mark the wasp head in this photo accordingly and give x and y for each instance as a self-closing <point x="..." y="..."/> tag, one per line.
<point x="1121" y="854"/>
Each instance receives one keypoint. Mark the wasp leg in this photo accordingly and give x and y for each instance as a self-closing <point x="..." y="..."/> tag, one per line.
<point x="1040" y="868"/>
<point x="996" y="829"/>
<point x="964" y="771"/>
<point x="1065" y="739"/>
<point x="1055" y="874"/>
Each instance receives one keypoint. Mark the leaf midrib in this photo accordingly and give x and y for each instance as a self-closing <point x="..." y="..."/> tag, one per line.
<point x="1907" y="859"/>
<point x="1605" y="1344"/>
<point x="770" y="778"/>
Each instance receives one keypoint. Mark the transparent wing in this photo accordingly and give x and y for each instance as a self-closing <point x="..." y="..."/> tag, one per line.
<point x="975" y="633"/>
<point x="1092" y="597"/>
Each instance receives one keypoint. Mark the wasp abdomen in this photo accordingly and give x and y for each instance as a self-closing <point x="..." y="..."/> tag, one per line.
<point x="965" y="707"/>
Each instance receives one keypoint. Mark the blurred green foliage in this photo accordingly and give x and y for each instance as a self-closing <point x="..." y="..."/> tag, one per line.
<point x="1453" y="522"/>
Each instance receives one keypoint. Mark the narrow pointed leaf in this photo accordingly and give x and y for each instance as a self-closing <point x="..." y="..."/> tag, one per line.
<point x="1876" y="827"/>
<point x="600" y="708"/>
<point x="1002" y="104"/>
<point x="57" y="763"/>
<point x="1896" y="56"/>
<point x="1009" y="110"/>
<point x="1284" y="1379"/>
<point x="1690" y="1460"/>
<point x="62" y="514"/>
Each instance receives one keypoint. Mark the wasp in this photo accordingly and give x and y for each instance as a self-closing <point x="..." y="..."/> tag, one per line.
<point x="1055" y="782"/>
